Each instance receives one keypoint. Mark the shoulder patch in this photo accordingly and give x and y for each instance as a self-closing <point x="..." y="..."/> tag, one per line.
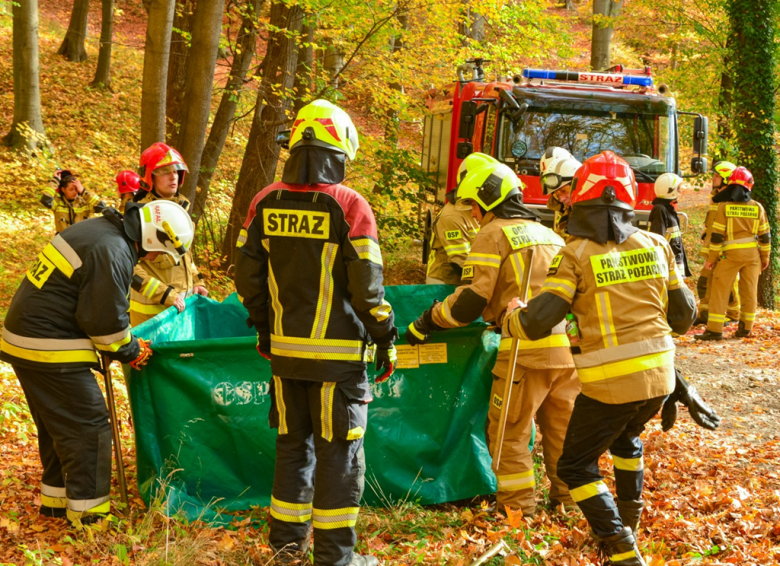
<point x="468" y="272"/>
<point x="453" y="234"/>
<point x="525" y="235"/>
<point x="554" y="265"/>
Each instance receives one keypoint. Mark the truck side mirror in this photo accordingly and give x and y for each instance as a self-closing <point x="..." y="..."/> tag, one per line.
<point x="464" y="149"/>
<point x="699" y="165"/>
<point x="700" y="132"/>
<point x="468" y="119"/>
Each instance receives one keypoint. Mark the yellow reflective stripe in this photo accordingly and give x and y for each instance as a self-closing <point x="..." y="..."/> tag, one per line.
<point x="241" y="240"/>
<point x="326" y="411"/>
<point x="114" y="346"/>
<point x="747" y="316"/>
<point x="587" y="491"/>
<point x="142" y="308"/>
<point x="718" y="226"/>
<point x="49" y="356"/>
<point x="290" y="512"/>
<point x="149" y="289"/>
<point x="54" y="502"/>
<point x="317" y="348"/>
<point x="626" y="367"/>
<point x="628" y="464"/>
<point x="763" y="227"/>
<point x="560" y="285"/>
<point x="516" y="482"/>
<point x="335" y="518"/>
<point x="356" y="433"/>
<point x="382" y="312"/>
<point x="730" y="246"/>
<point x="765" y="247"/>
<point x="97" y="505"/>
<point x="457" y="249"/>
<point x="622" y="556"/>
<point x="367" y="248"/>
<point x="488" y="260"/>
<point x="551" y="341"/>
<point x="414" y="331"/>
<point x="714" y="207"/>
<point x="446" y="312"/>
<point x="604" y="308"/>
<point x="273" y="288"/>
<point x="59" y="260"/>
<point x="518" y="266"/>
<point x="716" y="317"/>
<point x="281" y="407"/>
<point x="325" y="297"/>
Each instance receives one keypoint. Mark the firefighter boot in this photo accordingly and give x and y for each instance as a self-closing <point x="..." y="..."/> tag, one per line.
<point x="709" y="335"/>
<point x="630" y="512"/>
<point x="741" y="332"/>
<point x="701" y="318"/>
<point x="620" y="549"/>
<point x="363" y="560"/>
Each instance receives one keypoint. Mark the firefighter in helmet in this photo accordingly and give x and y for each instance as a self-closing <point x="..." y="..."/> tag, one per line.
<point x="127" y="185"/>
<point x="545" y="383"/>
<point x="69" y="200"/>
<point x="309" y="270"/>
<point x="625" y="292"/>
<point x="740" y="244"/>
<point x="162" y="282"/>
<point x="72" y="301"/>
<point x="557" y="168"/>
<point x="452" y="232"/>
<point x="721" y="173"/>
<point x="664" y="220"/>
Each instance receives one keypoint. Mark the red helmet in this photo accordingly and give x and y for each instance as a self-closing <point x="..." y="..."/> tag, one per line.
<point x="127" y="182"/>
<point x="157" y="156"/>
<point x="741" y="176"/>
<point x="604" y="179"/>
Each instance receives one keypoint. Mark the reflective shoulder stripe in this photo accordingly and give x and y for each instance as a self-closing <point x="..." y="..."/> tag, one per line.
<point x="367" y="248"/>
<point x="487" y="260"/>
<point x="142" y="308"/>
<point x="48" y="350"/>
<point x="59" y="261"/>
<point x="67" y="251"/>
<point x="112" y="342"/>
<point x="382" y="311"/>
<point x="242" y="235"/>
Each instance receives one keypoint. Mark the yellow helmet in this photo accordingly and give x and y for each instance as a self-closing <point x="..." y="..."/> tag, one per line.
<point x="325" y="125"/>
<point x="489" y="184"/>
<point x="473" y="161"/>
<point x="725" y="169"/>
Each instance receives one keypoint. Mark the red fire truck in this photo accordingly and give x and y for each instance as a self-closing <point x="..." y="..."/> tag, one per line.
<point x="583" y="112"/>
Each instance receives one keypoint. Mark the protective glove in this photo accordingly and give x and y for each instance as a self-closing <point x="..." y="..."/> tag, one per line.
<point x="144" y="355"/>
<point x="386" y="356"/>
<point x="419" y="332"/>
<point x="686" y="394"/>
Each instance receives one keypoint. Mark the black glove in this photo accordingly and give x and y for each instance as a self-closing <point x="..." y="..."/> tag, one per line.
<point x="686" y="394"/>
<point x="419" y="332"/>
<point x="385" y="356"/>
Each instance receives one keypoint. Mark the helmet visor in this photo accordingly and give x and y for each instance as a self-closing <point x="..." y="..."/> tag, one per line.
<point x="551" y="182"/>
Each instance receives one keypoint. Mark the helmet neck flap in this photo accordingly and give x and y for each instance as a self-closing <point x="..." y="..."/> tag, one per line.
<point x="732" y="193"/>
<point x="601" y="224"/>
<point x="313" y="165"/>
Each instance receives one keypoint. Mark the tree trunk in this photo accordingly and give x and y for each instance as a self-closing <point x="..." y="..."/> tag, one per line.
<point x="753" y="52"/>
<point x="242" y="57"/>
<point x="73" y="45"/>
<point x="156" y="51"/>
<point x="333" y="62"/>
<point x="473" y="26"/>
<point x="604" y="14"/>
<point x="27" y="131"/>
<point x="262" y="153"/>
<point x="304" y="84"/>
<point x="177" y="68"/>
<point x="570" y="5"/>
<point x="725" y="101"/>
<point x="206" y="29"/>
<point x="103" y="73"/>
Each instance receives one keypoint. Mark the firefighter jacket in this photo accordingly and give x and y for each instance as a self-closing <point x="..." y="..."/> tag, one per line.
<point x="452" y="233"/>
<point x="493" y="274"/>
<point x="73" y="299"/>
<point x="665" y="222"/>
<point x="739" y="230"/>
<point x="708" y="220"/>
<point x="561" y="214"/>
<point x="619" y="295"/>
<point x="309" y="271"/>
<point x="157" y="282"/>
<point x="68" y="212"/>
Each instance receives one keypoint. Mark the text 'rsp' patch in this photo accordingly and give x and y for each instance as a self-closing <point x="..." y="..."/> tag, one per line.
<point x="629" y="266"/>
<point x="296" y="223"/>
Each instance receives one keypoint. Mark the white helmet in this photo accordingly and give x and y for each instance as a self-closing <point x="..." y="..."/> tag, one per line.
<point x="559" y="172"/>
<point x="551" y="154"/>
<point x="166" y="227"/>
<point x="667" y="186"/>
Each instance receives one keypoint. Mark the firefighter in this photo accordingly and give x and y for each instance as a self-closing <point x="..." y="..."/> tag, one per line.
<point x="545" y="383"/>
<point x="309" y="269"/>
<point x="162" y="283"/>
<point x="624" y="291"/>
<point x="721" y="173"/>
<point x="69" y="200"/>
<point x="740" y="238"/>
<point x="452" y="232"/>
<point x="72" y="301"/>
<point x="127" y="185"/>
<point x="557" y="170"/>
<point x="664" y="220"/>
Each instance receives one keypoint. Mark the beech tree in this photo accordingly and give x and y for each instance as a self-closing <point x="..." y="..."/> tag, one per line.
<point x="103" y="72"/>
<point x="181" y="33"/>
<point x="604" y="14"/>
<point x="73" y="45"/>
<point x="153" y="89"/>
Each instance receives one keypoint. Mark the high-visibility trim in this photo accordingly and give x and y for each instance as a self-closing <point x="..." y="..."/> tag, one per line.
<point x="325" y="297"/>
<point x="718" y="226"/>
<point x="367" y="248"/>
<point x="54" y="497"/>
<point x="628" y="464"/>
<point x="714" y="208"/>
<point x="515" y="329"/>
<point x="97" y="505"/>
<point x="672" y="233"/>
<point x="560" y="285"/>
<point x="705" y="250"/>
<point x="345" y="517"/>
<point x="747" y="316"/>
<point x="66" y="251"/>
<point x="326" y="411"/>
<point x="624" y="352"/>
<point x="48" y="350"/>
<point x="487" y="260"/>
<point x="626" y="367"/>
<point x="317" y="348"/>
<point x="765" y="247"/>
<point x="446" y="312"/>
<point x="356" y="433"/>
<point x="382" y="312"/>
<point x="143" y="308"/>
<point x="587" y="491"/>
<point x="59" y="260"/>
<point x="516" y="482"/>
<point x="242" y="237"/>
<point x="712" y="317"/>
<point x="290" y="512"/>
<point x="151" y="286"/>
<point x="727" y="246"/>
<point x="458" y="249"/>
<point x="615" y="558"/>
<point x="112" y="342"/>
<point x="764" y="227"/>
<point x="276" y="304"/>
<point x="608" y="332"/>
<point x="414" y="331"/>
<point x="281" y="406"/>
<point x="518" y="266"/>
<point x="551" y="341"/>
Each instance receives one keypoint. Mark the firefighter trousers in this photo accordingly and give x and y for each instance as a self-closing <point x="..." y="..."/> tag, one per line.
<point x="594" y="428"/>
<point x="320" y="465"/>
<point x="748" y="267"/>
<point x="704" y="289"/>
<point x="74" y="438"/>
<point x="549" y="394"/>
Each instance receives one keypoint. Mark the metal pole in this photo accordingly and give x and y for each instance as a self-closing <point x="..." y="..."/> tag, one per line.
<point x="120" y="465"/>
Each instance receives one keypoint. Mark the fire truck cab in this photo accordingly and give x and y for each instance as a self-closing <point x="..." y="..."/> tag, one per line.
<point x="585" y="113"/>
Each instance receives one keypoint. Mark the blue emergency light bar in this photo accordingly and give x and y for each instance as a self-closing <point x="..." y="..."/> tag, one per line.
<point x="606" y="79"/>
